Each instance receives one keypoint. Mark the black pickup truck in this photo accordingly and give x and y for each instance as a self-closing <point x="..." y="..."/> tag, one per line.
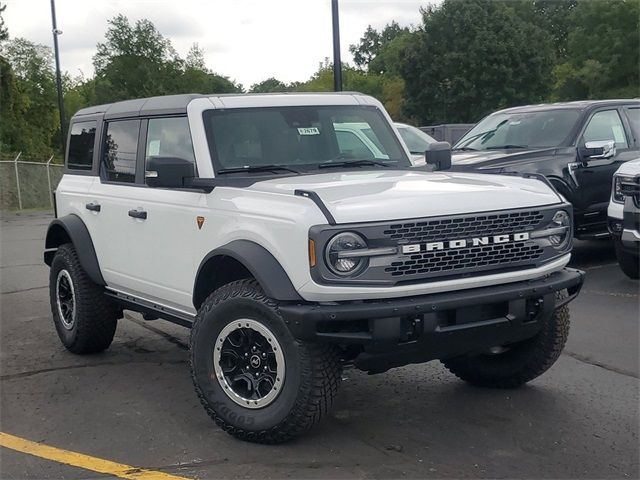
<point x="577" y="145"/>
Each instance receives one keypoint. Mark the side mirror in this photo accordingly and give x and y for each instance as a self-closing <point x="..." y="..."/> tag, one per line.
<point x="168" y="172"/>
<point x="438" y="154"/>
<point x="597" y="150"/>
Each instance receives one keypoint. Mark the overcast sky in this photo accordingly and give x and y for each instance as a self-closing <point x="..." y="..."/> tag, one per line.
<point x="246" y="40"/>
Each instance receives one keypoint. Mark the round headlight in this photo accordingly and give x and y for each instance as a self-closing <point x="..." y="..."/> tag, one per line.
<point x="561" y="219"/>
<point x="337" y="254"/>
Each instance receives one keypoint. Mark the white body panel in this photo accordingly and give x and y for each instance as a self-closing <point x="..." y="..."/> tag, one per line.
<point x="631" y="168"/>
<point x="157" y="259"/>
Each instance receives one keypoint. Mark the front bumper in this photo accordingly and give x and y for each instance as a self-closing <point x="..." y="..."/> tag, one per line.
<point x="395" y="332"/>
<point x="627" y="230"/>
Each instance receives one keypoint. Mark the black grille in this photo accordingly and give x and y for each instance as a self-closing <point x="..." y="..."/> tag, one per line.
<point x="464" y="227"/>
<point x="465" y="258"/>
<point x="470" y="258"/>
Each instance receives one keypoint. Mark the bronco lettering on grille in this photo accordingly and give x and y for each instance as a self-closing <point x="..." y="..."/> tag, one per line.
<point x="463" y="243"/>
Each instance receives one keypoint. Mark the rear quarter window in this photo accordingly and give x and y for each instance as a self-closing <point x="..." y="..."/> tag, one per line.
<point x="81" y="144"/>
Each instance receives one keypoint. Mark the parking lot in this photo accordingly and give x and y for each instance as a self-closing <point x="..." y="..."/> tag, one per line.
<point x="135" y="405"/>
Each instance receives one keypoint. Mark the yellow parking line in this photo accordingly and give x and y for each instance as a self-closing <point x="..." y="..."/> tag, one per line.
<point x="82" y="461"/>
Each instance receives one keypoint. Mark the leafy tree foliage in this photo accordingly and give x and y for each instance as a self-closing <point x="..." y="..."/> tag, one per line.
<point x="474" y="56"/>
<point x="373" y="42"/>
<point x="603" y="52"/>
<point x="4" y="33"/>
<point x="137" y="61"/>
<point x="270" y="85"/>
<point x="28" y="97"/>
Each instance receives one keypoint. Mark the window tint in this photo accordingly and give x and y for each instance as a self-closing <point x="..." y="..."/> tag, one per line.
<point x="352" y="147"/>
<point x="606" y="125"/>
<point x="169" y="137"/>
<point x="634" y="118"/>
<point x="81" y="141"/>
<point x="301" y="137"/>
<point x="417" y="141"/>
<point x="536" y="129"/>
<point x="121" y="143"/>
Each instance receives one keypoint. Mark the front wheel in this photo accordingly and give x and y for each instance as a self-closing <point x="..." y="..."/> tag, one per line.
<point x="516" y="364"/>
<point x="629" y="263"/>
<point x="254" y="379"/>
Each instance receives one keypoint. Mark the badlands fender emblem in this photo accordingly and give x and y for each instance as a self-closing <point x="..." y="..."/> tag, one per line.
<point x="462" y="243"/>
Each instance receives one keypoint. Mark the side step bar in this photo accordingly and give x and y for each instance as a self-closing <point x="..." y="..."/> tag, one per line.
<point x="151" y="310"/>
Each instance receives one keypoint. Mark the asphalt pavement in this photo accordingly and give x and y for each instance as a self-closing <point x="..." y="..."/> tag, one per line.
<point x="134" y="404"/>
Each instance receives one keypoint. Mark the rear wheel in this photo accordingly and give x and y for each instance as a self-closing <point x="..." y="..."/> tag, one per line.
<point x="254" y="379"/>
<point x="629" y="263"/>
<point x="84" y="317"/>
<point x="514" y="365"/>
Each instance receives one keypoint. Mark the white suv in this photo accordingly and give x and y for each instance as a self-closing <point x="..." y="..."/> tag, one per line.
<point x="624" y="217"/>
<point x="248" y="219"/>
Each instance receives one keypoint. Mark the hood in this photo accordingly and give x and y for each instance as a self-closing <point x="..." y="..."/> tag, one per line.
<point x="632" y="168"/>
<point x="463" y="160"/>
<point x="370" y="196"/>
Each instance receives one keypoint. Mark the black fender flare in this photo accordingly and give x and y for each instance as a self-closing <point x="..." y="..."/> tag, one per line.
<point x="260" y="263"/>
<point x="72" y="228"/>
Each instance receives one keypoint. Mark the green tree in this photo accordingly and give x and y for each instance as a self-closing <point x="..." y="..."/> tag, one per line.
<point x="4" y="33"/>
<point x="471" y="57"/>
<point x="270" y="85"/>
<point x="388" y="89"/>
<point x="138" y="61"/>
<point x="603" y="52"/>
<point x="29" y="118"/>
<point x="373" y="42"/>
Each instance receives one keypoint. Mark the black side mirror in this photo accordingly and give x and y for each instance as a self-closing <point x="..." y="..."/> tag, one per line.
<point x="438" y="154"/>
<point x="168" y="172"/>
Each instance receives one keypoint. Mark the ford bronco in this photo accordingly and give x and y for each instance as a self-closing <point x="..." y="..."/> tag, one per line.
<point x="253" y="221"/>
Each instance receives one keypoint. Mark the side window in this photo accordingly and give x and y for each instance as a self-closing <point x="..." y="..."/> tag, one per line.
<point x="169" y="137"/>
<point x="81" y="141"/>
<point x="634" y="119"/>
<point x="606" y="125"/>
<point x="120" y="149"/>
<point x="352" y="147"/>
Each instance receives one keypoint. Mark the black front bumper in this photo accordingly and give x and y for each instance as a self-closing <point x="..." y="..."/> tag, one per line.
<point x="399" y="331"/>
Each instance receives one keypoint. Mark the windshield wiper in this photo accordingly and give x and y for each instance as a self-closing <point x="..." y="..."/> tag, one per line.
<point x="506" y="147"/>
<point x="257" y="168"/>
<point x="351" y="163"/>
<point x="464" y="149"/>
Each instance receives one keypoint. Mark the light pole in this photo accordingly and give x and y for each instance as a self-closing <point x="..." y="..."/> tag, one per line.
<point x="337" y="63"/>
<point x="57" y="32"/>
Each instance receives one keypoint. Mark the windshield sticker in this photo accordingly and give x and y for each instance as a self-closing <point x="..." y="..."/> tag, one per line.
<point x="308" y="131"/>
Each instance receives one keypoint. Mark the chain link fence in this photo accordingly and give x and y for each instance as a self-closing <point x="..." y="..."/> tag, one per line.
<point x="26" y="184"/>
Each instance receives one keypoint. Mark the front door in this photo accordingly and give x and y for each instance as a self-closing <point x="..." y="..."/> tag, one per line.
<point x="594" y="179"/>
<point x="145" y="233"/>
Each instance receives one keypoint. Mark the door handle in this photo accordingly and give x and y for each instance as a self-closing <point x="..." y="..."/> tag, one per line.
<point x="94" y="207"/>
<point x="138" y="214"/>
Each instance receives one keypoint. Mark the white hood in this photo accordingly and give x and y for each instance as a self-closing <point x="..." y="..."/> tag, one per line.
<point x="368" y="196"/>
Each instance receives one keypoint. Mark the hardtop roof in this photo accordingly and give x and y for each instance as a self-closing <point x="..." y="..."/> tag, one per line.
<point x="177" y="104"/>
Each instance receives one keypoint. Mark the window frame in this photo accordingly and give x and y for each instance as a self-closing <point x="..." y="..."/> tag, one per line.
<point x="139" y="172"/>
<point x="621" y="116"/>
<point x="146" y="136"/>
<point x="95" y="162"/>
<point x="627" y="118"/>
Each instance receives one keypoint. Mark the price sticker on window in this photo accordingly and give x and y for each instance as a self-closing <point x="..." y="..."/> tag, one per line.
<point x="308" y="131"/>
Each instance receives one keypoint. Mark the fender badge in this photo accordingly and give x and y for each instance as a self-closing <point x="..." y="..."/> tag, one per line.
<point x="200" y="222"/>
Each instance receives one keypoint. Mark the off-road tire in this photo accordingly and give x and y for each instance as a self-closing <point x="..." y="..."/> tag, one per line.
<point x="523" y="361"/>
<point x="95" y="314"/>
<point x="313" y="372"/>
<point x="629" y="263"/>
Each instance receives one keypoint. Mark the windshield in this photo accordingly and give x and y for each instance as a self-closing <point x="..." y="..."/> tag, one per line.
<point x="520" y="130"/>
<point x="417" y="141"/>
<point x="263" y="140"/>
